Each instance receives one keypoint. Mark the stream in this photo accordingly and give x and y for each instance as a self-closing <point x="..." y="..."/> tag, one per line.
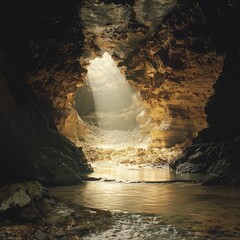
<point x="156" y="203"/>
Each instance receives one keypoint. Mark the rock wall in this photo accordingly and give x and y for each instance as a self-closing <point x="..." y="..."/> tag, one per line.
<point x="216" y="149"/>
<point x="31" y="147"/>
<point x="119" y="28"/>
<point x="175" y="72"/>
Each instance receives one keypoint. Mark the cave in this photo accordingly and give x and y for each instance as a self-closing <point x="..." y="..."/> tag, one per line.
<point x="119" y="119"/>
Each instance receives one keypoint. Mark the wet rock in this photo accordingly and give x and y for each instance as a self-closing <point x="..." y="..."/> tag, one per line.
<point x="30" y="201"/>
<point x="219" y="159"/>
<point x="57" y="172"/>
<point x="20" y="195"/>
<point x="190" y="168"/>
<point x="44" y="217"/>
<point x="59" y="214"/>
<point x="177" y="162"/>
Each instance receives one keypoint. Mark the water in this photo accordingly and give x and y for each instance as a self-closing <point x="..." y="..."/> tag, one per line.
<point x="157" y="210"/>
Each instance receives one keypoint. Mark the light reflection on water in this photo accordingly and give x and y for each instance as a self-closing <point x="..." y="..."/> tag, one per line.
<point x="133" y="173"/>
<point x="202" y="212"/>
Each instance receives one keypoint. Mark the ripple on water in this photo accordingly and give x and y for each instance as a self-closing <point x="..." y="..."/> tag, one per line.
<point x="135" y="226"/>
<point x="158" y="211"/>
<point x="150" y="227"/>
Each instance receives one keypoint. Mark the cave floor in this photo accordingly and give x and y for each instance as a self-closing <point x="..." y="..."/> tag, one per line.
<point x="84" y="221"/>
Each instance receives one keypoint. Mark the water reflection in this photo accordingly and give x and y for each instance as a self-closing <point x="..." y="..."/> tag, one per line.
<point x="137" y="173"/>
<point x="203" y="212"/>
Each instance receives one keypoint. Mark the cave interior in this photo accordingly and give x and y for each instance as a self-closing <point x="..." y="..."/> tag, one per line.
<point x="146" y="83"/>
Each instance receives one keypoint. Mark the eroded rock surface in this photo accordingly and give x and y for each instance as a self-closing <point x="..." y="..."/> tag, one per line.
<point x="175" y="72"/>
<point x="216" y="149"/>
<point x="218" y="158"/>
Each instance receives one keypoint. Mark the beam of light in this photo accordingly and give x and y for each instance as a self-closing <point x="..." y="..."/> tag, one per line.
<point x="110" y="89"/>
<point x="110" y="106"/>
<point x="112" y="95"/>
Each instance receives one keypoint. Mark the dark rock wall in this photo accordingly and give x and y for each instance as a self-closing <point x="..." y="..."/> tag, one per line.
<point x="223" y="108"/>
<point x="216" y="150"/>
<point x="31" y="147"/>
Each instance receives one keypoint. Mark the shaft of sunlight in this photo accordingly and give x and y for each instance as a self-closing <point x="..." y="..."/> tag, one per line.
<point x="110" y="90"/>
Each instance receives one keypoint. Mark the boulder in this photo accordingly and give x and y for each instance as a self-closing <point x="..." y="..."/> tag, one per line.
<point x="20" y="195"/>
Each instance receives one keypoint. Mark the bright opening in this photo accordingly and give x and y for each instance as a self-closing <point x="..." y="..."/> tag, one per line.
<point x="106" y="100"/>
<point x="118" y="125"/>
<point x="110" y="106"/>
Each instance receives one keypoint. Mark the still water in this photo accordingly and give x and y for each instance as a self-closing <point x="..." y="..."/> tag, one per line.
<point x="146" y="209"/>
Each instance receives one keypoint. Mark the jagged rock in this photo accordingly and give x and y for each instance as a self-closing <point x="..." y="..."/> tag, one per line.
<point x="151" y="13"/>
<point x="188" y="167"/>
<point x="180" y="94"/>
<point x="219" y="159"/>
<point x="174" y="81"/>
<point x="178" y="58"/>
<point x="198" y="157"/>
<point x="30" y="201"/>
<point x="29" y="212"/>
<point x="20" y="195"/>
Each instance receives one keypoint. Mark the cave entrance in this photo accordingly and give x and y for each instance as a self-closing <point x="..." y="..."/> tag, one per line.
<point x="107" y="100"/>
<point x="119" y="127"/>
<point x="110" y="108"/>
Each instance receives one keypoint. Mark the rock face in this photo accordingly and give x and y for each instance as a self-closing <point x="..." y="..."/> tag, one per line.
<point x="151" y="13"/>
<point x="106" y="26"/>
<point x="31" y="147"/>
<point x="21" y="195"/>
<point x="218" y="158"/>
<point x="216" y="149"/>
<point x="28" y="211"/>
<point x="175" y="72"/>
<point x="119" y="28"/>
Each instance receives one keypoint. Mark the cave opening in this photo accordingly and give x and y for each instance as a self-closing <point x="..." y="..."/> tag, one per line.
<point x="111" y="109"/>
<point x="107" y="100"/>
<point x="118" y="123"/>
